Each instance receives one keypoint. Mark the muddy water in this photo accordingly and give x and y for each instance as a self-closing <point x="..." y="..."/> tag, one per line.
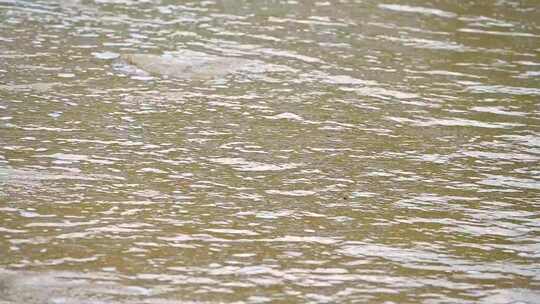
<point x="372" y="152"/>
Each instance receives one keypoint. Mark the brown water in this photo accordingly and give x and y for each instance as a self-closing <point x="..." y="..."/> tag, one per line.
<point x="373" y="152"/>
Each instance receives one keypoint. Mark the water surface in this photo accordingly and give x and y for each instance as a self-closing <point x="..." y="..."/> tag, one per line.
<point x="372" y="151"/>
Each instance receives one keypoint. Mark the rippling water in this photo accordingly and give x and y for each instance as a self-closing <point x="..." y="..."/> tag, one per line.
<point x="372" y="151"/>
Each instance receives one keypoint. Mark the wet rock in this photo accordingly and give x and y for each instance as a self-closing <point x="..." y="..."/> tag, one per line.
<point x="191" y="65"/>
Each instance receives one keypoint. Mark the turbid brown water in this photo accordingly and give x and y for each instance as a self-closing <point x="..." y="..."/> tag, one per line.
<point x="304" y="151"/>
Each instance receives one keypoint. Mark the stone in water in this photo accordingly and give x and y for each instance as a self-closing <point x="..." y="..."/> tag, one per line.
<point x="188" y="65"/>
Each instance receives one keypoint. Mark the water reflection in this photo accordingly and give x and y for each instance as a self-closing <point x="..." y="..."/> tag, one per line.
<point x="366" y="151"/>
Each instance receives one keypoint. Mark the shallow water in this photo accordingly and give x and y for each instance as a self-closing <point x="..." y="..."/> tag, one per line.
<point x="373" y="151"/>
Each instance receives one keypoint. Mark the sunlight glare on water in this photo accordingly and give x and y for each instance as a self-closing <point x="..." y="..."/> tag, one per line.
<point x="224" y="151"/>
